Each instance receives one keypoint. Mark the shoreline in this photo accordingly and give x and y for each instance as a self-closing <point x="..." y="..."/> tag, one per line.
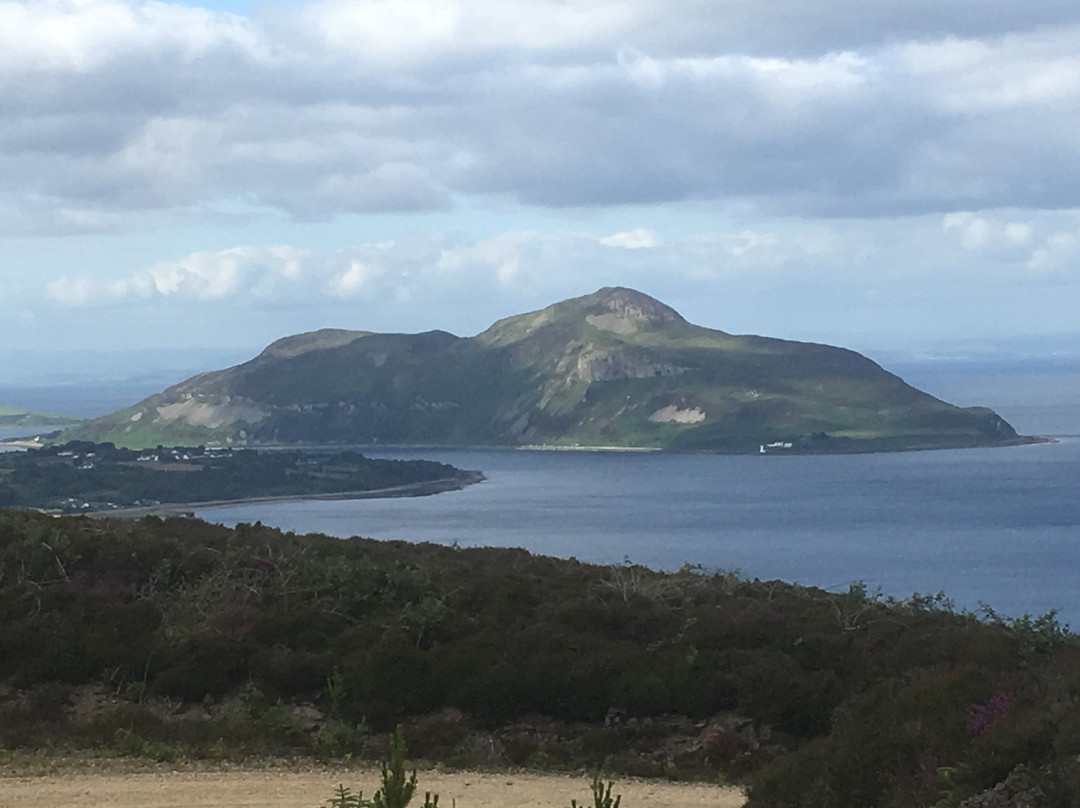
<point x="418" y="489"/>
<point x="1019" y="440"/>
<point x="23" y="443"/>
<point x="34" y="441"/>
<point x="554" y="447"/>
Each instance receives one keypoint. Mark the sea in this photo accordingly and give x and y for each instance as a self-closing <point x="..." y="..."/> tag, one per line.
<point x="986" y="527"/>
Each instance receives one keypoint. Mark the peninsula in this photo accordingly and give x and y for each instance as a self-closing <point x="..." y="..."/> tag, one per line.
<point x="98" y="478"/>
<point x="15" y="417"/>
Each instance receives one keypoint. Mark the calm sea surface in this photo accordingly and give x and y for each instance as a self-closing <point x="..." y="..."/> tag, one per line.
<point x="1000" y="526"/>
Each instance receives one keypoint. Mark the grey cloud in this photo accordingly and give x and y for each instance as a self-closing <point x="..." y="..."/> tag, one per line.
<point x="694" y="139"/>
<point x="836" y="109"/>
<point x="793" y="28"/>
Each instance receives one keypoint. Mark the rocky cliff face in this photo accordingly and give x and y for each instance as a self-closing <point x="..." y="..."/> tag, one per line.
<point x="586" y="361"/>
<point x="625" y="311"/>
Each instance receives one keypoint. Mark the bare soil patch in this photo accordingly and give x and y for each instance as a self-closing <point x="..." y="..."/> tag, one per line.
<point x="311" y="788"/>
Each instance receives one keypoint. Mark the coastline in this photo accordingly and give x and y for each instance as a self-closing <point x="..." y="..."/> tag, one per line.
<point x="420" y="489"/>
<point x="553" y="447"/>
<point x="1019" y="440"/>
<point x="23" y="443"/>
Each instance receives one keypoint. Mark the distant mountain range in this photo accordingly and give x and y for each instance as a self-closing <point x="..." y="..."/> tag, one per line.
<point x="615" y="368"/>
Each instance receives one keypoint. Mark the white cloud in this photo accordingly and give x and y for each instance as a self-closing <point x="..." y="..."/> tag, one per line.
<point x="258" y="273"/>
<point x="70" y="291"/>
<point x="1009" y="74"/>
<point x="904" y="276"/>
<point x="354" y="281"/>
<point x="977" y="231"/>
<point x="1040" y="245"/>
<point x="749" y="241"/>
<point x="1017" y="233"/>
<point x="973" y="231"/>
<point x="424" y="267"/>
<point x="395" y="31"/>
<point x="81" y="36"/>
<point x="1056" y="249"/>
<point x="507" y="259"/>
<point x="635" y="239"/>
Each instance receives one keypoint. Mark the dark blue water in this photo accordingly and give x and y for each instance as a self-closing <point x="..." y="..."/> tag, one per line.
<point x="1000" y="526"/>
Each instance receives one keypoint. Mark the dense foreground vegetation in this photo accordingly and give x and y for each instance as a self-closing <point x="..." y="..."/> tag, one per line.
<point x="80" y="476"/>
<point x="172" y="638"/>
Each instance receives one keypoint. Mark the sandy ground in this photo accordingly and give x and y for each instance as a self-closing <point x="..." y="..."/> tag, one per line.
<point x="293" y="789"/>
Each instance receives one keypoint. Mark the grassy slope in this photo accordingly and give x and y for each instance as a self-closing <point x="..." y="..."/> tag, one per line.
<point x="15" y="417"/>
<point x="754" y="389"/>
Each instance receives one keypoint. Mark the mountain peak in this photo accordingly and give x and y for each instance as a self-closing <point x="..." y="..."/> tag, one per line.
<point x="616" y="309"/>
<point x="625" y="311"/>
<point x="288" y="347"/>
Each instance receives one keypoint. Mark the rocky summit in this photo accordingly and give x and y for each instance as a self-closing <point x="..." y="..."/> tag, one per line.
<point x="616" y="368"/>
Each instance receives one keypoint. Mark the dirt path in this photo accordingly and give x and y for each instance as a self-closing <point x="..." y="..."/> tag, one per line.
<point x="290" y="789"/>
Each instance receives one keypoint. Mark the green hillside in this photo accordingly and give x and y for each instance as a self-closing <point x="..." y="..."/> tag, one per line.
<point x="615" y="368"/>
<point x="15" y="417"/>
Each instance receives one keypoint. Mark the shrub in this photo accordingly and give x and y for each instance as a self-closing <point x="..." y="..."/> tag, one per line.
<point x="129" y="743"/>
<point x="601" y="795"/>
<point x="344" y="798"/>
<point x="397" y="788"/>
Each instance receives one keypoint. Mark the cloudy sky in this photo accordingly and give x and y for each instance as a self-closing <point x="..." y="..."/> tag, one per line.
<point x="901" y="178"/>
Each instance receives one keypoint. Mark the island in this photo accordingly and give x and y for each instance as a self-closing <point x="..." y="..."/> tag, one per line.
<point x="616" y="368"/>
